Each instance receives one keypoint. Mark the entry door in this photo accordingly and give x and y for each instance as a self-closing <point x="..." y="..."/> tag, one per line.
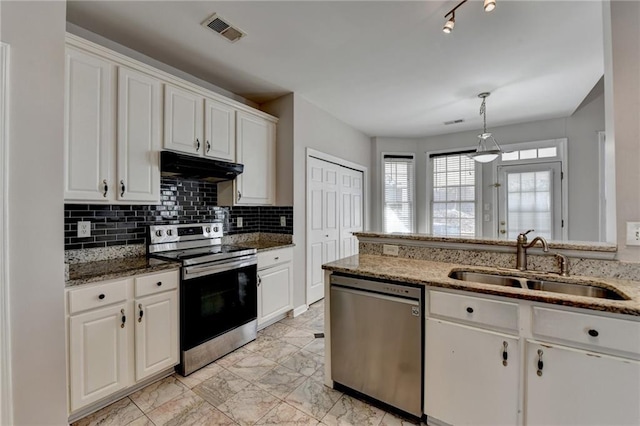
<point x="322" y="223"/>
<point x="530" y="197"/>
<point x="350" y="210"/>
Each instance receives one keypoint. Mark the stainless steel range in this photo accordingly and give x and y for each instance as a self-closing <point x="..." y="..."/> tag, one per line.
<point x="218" y="290"/>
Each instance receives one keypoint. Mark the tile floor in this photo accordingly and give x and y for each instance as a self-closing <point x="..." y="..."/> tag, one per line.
<point x="275" y="380"/>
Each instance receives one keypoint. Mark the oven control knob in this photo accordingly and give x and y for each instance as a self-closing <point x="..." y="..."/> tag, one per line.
<point x="207" y="229"/>
<point x="169" y="232"/>
<point x="215" y="229"/>
<point x="159" y="233"/>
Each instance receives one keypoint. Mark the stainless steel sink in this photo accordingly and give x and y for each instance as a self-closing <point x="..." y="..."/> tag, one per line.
<point x="576" y="289"/>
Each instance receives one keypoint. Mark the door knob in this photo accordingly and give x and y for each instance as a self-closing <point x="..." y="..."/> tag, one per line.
<point x="502" y="231"/>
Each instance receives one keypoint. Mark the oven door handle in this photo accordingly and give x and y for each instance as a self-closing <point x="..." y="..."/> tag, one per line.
<point x="190" y="272"/>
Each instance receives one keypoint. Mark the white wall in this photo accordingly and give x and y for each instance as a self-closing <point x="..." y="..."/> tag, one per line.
<point x="626" y="106"/>
<point x="581" y="130"/>
<point x="317" y="129"/>
<point x="35" y="31"/>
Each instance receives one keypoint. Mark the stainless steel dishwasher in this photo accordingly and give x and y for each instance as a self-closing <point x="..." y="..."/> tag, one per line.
<point x="377" y="340"/>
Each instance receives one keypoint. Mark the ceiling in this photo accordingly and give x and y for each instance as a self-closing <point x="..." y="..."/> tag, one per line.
<point x="383" y="67"/>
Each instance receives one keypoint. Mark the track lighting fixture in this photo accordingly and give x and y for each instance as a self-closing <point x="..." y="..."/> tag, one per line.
<point x="489" y="5"/>
<point x="448" y="27"/>
<point x="482" y="153"/>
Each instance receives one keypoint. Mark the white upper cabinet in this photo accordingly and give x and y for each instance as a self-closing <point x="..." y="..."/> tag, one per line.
<point x="183" y="120"/>
<point x="197" y="125"/>
<point x="113" y="119"/>
<point x="88" y="137"/>
<point x="139" y="116"/>
<point x="256" y="149"/>
<point x="219" y="130"/>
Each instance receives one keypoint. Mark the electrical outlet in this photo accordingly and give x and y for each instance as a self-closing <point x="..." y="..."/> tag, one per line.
<point x="283" y="221"/>
<point x="390" y="250"/>
<point x="239" y="222"/>
<point x="84" y="229"/>
<point x="633" y="233"/>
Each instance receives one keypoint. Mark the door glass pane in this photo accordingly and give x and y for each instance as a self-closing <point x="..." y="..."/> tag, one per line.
<point x="529" y="203"/>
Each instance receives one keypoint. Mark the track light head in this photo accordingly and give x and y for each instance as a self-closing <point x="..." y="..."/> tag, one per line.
<point x="448" y="27"/>
<point x="489" y="5"/>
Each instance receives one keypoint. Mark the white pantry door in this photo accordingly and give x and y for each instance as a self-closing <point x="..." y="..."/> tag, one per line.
<point x="351" y="183"/>
<point x="322" y="223"/>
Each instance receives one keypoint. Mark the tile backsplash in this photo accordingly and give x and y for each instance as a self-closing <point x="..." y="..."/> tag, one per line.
<point x="181" y="201"/>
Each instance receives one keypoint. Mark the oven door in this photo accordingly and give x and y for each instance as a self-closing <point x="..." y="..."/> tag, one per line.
<point x="216" y="298"/>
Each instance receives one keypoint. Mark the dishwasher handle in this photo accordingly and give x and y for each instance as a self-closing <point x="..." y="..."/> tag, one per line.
<point x="391" y="289"/>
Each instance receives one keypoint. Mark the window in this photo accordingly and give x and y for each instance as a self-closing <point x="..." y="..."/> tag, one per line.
<point x="453" y="201"/>
<point x="398" y="209"/>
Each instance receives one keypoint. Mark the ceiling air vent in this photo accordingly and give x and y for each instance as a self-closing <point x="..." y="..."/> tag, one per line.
<point x="458" y="121"/>
<point x="221" y="26"/>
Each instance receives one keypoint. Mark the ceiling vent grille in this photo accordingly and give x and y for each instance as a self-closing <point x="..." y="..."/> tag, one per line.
<point x="458" y="121"/>
<point x="221" y="26"/>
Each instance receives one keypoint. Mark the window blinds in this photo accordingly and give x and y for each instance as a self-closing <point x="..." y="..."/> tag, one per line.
<point x="398" y="209"/>
<point x="453" y="201"/>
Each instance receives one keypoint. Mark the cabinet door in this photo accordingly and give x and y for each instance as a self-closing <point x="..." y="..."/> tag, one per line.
<point x="274" y="292"/>
<point x="256" y="149"/>
<point x="182" y="120"/>
<point x="219" y="130"/>
<point x="577" y="387"/>
<point x="466" y="382"/>
<point x="139" y="116"/>
<point x="156" y="333"/>
<point x="88" y="130"/>
<point x="98" y="353"/>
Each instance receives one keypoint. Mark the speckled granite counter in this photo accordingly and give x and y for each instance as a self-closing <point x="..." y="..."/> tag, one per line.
<point x="424" y="272"/>
<point x="260" y="241"/>
<point x="266" y="245"/>
<point x="89" y="272"/>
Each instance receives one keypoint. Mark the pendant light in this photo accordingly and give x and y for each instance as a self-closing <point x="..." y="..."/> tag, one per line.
<point x="483" y="154"/>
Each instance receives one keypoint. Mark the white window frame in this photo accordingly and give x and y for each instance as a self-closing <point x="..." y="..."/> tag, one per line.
<point x="414" y="224"/>
<point x="429" y="188"/>
<point x="561" y="145"/>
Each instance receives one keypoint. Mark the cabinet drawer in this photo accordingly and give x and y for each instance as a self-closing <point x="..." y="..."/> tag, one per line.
<point x="274" y="257"/>
<point x="585" y="329"/>
<point x="156" y="283"/>
<point x="97" y="296"/>
<point x="486" y="312"/>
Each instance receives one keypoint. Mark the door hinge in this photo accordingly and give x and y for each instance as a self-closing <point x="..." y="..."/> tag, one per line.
<point x="561" y="175"/>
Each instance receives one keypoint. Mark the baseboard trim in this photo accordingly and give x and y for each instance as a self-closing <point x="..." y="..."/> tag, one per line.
<point x="300" y="310"/>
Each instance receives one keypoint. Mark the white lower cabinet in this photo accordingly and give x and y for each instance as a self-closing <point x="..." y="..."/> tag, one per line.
<point x="275" y="285"/>
<point x="119" y="333"/>
<point x="567" y="386"/>
<point x="466" y="381"/>
<point x="98" y="353"/>
<point x="577" y="367"/>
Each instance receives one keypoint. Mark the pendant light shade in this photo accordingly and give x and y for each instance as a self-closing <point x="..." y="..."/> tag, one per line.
<point x="489" y="5"/>
<point x="484" y="153"/>
<point x="448" y="27"/>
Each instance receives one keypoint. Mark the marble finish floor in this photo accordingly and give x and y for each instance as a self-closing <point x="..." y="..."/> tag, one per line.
<point x="275" y="380"/>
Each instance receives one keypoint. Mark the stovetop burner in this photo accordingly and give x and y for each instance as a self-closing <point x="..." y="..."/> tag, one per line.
<point x="192" y="243"/>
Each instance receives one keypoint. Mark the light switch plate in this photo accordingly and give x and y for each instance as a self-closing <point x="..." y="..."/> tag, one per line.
<point x="633" y="233"/>
<point x="390" y="250"/>
<point x="283" y="221"/>
<point x="84" y="229"/>
<point x="239" y="222"/>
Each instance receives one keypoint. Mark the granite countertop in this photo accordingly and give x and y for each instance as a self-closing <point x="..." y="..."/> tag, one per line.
<point x="569" y="245"/>
<point x="89" y="272"/>
<point x="262" y="245"/>
<point x="424" y="272"/>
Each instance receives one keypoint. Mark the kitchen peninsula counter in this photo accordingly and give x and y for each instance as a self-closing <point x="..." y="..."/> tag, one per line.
<point x="436" y="274"/>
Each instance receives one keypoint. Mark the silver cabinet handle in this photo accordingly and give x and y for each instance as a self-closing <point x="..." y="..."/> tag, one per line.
<point x="239" y="195"/>
<point x="124" y="318"/>
<point x="141" y="312"/>
<point x="259" y="280"/>
<point x="122" y="188"/>
<point x="505" y="355"/>
<point x="105" y="188"/>
<point x="208" y="146"/>
<point x="198" y="145"/>
<point x="540" y="363"/>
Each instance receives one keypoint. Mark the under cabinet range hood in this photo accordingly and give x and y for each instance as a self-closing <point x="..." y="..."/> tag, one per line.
<point x="186" y="166"/>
